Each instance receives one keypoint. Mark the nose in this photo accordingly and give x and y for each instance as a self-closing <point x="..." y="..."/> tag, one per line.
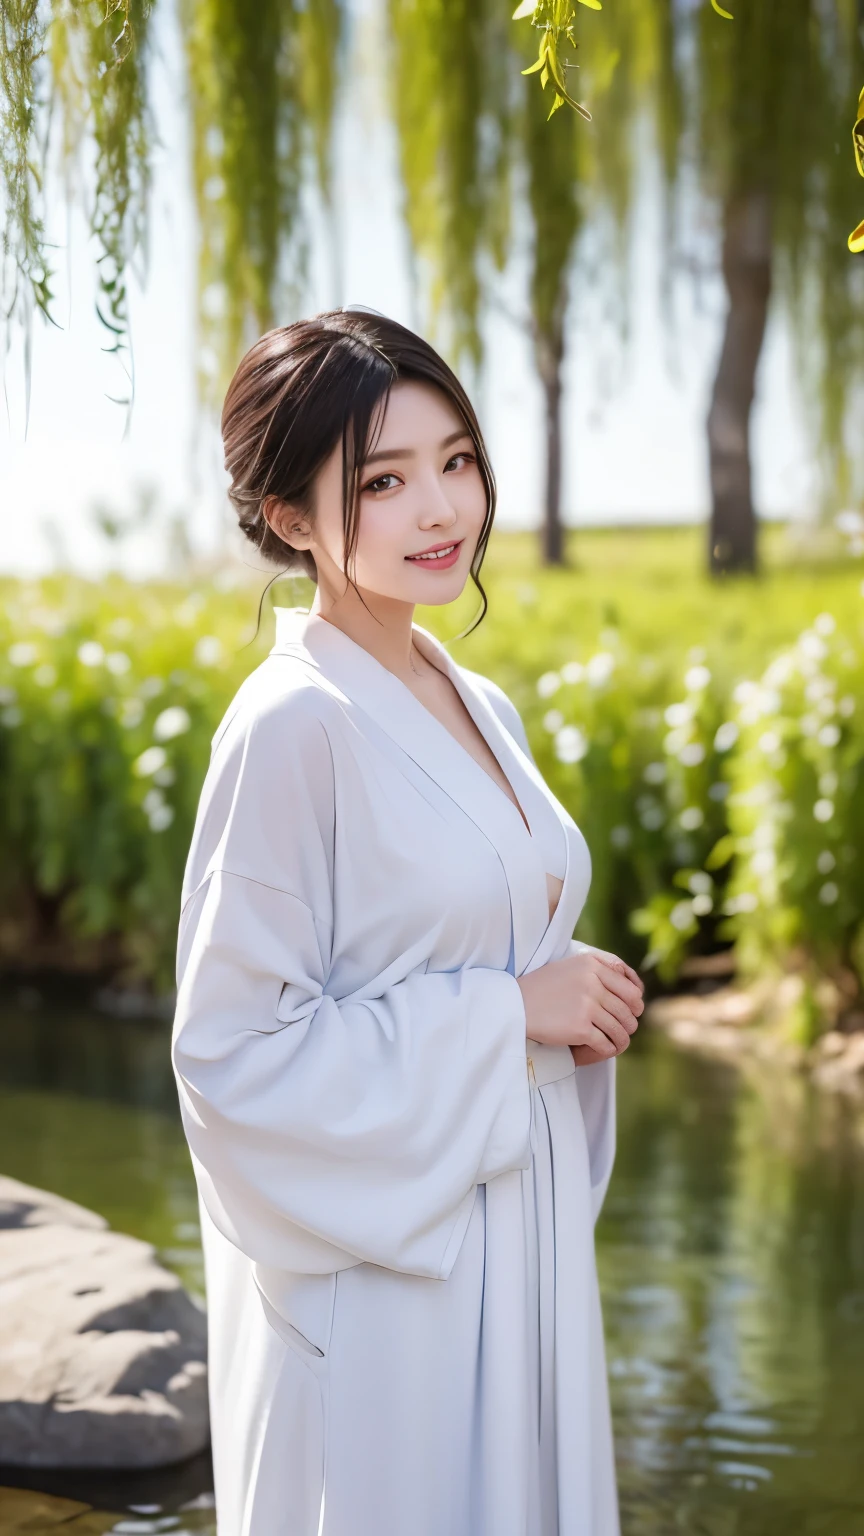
<point x="437" y="509"/>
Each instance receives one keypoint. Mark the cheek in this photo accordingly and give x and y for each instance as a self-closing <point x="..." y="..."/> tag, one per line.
<point x="382" y="533"/>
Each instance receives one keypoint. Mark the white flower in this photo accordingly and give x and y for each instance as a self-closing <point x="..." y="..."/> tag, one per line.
<point x="150" y="687"/>
<point x="161" y="818"/>
<point x="131" y="712"/>
<point x="829" y="893"/>
<point x="46" y="675"/>
<point x="570" y="744"/>
<point x="691" y="817"/>
<point x="548" y="684"/>
<point x="675" y="740"/>
<point x="846" y="706"/>
<point x="654" y="773"/>
<point x="829" y="735"/>
<point x="153" y="801"/>
<point x="828" y="784"/>
<point x="825" y="624"/>
<point x="810" y="645"/>
<point x="726" y="736"/>
<point x="769" y="742"/>
<point x="172" y="722"/>
<point x="91" y="654"/>
<point x="621" y="837"/>
<point x="681" y="915"/>
<point x="164" y="776"/>
<point x="7" y="695"/>
<point x="23" y="653"/>
<point x="764" y="862"/>
<point x="746" y="902"/>
<point x="743" y="692"/>
<point x="692" y="754"/>
<point x="849" y="522"/>
<point x="823" y="810"/>
<point x="117" y="662"/>
<point x="696" y="678"/>
<point x="696" y="653"/>
<point x="553" y="721"/>
<point x="809" y="725"/>
<point x="572" y="672"/>
<point x="825" y="862"/>
<point x="150" y="762"/>
<point x="11" y="716"/>
<point x="779" y="671"/>
<point x="652" y="818"/>
<point x="208" y="651"/>
<point x="677" y="715"/>
<point x="700" y="883"/>
<point x="599" y="669"/>
<point x="702" y="905"/>
<point x="718" y="790"/>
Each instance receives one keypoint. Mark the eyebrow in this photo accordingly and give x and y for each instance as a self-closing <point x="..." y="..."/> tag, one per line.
<point x="410" y="453"/>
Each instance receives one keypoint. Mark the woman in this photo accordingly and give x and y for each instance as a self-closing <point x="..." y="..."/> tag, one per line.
<point x="386" y="1039"/>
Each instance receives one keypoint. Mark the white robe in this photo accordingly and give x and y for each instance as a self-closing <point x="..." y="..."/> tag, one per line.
<point x="397" y="1201"/>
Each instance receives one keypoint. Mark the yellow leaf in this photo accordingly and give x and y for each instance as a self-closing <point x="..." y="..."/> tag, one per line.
<point x="526" y="8"/>
<point x="856" y="239"/>
<point x="858" y="142"/>
<point x="593" y="5"/>
<point x="727" y="16"/>
<point x="533" y="68"/>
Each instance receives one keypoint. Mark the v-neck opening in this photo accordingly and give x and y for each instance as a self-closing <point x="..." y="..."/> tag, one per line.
<point x="515" y="804"/>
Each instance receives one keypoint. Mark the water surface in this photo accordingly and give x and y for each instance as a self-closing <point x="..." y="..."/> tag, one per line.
<point x="731" y="1252"/>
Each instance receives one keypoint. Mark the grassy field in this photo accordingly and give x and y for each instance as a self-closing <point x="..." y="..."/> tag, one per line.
<point x="708" y="737"/>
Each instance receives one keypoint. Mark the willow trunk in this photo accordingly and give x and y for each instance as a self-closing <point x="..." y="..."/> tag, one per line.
<point x="747" y="253"/>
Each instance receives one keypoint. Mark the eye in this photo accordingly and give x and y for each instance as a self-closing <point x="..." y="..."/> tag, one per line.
<point x="376" y="486"/>
<point x="469" y="458"/>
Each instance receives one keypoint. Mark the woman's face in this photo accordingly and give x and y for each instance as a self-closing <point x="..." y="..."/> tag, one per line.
<point x="420" y="490"/>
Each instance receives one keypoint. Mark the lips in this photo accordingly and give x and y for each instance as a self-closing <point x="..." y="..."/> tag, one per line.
<point x="438" y="554"/>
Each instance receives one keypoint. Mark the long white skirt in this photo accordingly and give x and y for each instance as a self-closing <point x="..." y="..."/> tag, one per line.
<point x="392" y="1404"/>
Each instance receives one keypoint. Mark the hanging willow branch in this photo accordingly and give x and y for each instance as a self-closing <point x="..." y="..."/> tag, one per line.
<point x="24" y="279"/>
<point x="856" y="239"/>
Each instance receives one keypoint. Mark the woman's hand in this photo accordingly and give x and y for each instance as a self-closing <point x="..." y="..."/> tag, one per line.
<point x="590" y="1001"/>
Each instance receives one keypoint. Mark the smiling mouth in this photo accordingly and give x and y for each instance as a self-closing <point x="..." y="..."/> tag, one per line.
<point x="436" y="554"/>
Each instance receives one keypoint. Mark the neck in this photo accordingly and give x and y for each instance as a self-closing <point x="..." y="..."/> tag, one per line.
<point x="383" y="626"/>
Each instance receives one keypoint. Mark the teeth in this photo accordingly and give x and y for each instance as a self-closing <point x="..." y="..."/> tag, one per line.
<point x="437" y="555"/>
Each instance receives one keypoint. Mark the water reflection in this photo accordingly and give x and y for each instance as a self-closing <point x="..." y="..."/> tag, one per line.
<point x="731" y="1252"/>
<point x="732" y="1259"/>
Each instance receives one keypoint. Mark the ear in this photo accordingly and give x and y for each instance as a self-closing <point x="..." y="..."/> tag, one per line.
<point x="288" y="523"/>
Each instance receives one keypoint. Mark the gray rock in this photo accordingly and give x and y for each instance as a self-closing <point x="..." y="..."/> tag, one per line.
<point x="102" y="1352"/>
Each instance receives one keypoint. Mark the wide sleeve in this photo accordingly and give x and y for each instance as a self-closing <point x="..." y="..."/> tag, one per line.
<point x="328" y="1130"/>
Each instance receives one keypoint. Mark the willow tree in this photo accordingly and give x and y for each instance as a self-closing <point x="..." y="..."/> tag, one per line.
<point x="580" y="177"/>
<point x="769" y="94"/>
<point x="473" y="136"/>
<point x="87" y="63"/>
<point x="262" y="89"/>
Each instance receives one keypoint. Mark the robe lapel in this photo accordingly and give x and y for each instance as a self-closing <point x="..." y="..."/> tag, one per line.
<point x="381" y="695"/>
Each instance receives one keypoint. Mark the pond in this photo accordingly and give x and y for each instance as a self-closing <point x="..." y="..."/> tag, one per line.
<point x="732" y="1262"/>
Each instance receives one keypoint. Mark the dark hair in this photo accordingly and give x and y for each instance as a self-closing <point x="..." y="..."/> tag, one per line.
<point x="303" y="388"/>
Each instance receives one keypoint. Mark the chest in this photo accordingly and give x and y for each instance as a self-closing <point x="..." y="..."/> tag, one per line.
<point x="416" y="876"/>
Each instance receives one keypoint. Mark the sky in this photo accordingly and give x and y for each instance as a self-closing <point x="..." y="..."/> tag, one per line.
<point x="633" y="422"/>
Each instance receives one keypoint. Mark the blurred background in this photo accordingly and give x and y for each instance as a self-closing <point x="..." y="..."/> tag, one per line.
<point x="659" y="319"/>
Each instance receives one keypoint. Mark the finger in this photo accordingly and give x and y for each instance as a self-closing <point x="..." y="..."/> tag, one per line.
<point x="599" y="1043"/>
<point x="621" y="965"/>
<point x="609" y="1026"/>
<point x="614" y="981"/>
<point x="584" y="1056"/>
<point x="622" y="1012"/>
